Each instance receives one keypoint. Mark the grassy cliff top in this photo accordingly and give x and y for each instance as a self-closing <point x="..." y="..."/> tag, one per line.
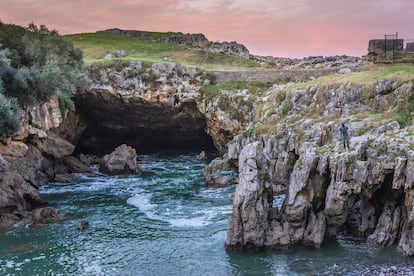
<point x="96" y="45"/>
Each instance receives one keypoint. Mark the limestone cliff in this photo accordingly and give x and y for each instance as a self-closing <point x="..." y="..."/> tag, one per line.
<point x="22" y="164"/>
<point x="295" y="152"/>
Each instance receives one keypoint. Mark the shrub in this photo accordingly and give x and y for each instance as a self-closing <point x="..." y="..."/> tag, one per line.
<point x="9" y="118"/>
<point x="37" y="64"/>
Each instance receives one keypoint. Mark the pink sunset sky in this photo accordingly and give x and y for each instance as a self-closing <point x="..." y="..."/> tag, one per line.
<point x="288" y="28"/>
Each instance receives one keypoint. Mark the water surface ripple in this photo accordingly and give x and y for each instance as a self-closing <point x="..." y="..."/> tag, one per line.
<point x="164" y="222"/>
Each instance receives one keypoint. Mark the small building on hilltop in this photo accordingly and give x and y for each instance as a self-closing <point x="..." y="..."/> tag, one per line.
<point x="381" y="46"/>
<point x="410" y="47"/>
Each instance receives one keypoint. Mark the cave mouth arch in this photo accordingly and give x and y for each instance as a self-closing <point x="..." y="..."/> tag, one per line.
<point x="97" y="140"/>
<point x="146" y="126"/>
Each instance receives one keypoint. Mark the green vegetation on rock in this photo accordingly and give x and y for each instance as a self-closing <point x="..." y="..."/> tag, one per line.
<point x="35" y="65"/>
<point x="96" y="45"/>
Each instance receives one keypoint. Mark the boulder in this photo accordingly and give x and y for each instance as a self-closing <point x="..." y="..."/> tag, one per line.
<point x="14" y="149"/>
<point x="16" y="193"/>
<point x="202" y="156"/>
<point x="55" y="146"/>
<point x="75" y="165"/>
<point x="123" y="160"/>
<point x="83" y="225"/>
<point x="220" y="173"/>
<point x="46" y="215"/>
<point x="344" y="71"/>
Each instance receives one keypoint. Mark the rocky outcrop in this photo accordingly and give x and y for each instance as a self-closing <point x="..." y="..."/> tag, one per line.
<point x="38" y="217"/>
<point x="251" y="207"/>
<point x="123" y="160"/>
<point x="220" y="173"/>
<point x="366" y="192"/>
<point x="30" y="158"/>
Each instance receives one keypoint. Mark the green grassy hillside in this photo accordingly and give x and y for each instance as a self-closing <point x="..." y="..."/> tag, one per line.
<point x="96" y="45"/>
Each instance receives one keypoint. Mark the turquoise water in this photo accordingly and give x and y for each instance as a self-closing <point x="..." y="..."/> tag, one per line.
<point x="165" y="222"/>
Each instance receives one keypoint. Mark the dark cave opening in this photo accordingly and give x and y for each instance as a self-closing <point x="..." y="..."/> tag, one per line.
<point x="146" y="126"/>
<point x="363" y="217"/>
<point x="385" y="193"/>
<point x="97" y="140"/>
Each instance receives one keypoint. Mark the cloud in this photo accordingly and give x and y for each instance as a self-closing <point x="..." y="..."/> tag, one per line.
<point x="278" y="27"/>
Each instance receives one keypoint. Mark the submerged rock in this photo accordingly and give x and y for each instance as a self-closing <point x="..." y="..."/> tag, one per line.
<point x="83" y="225"/>
<point x="123" y="160"/>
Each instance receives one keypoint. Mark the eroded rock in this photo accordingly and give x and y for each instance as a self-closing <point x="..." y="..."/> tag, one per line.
<point x="220" y="173"/>
<point x="123" y="160"/>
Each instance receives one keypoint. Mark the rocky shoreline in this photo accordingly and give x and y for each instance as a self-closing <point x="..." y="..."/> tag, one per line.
<point x="367" y="190"/>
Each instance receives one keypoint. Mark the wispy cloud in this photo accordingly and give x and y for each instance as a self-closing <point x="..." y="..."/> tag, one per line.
<point x="277" y="27"/>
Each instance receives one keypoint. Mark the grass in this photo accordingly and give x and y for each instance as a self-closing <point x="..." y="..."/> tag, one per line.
<point x="401" y="73"/>
<point x="96" y="45"/>
<point x="254" y="87"/>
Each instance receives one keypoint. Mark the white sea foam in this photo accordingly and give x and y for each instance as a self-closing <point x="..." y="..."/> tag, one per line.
<point x="143" y="203"/>
<point x="189" y="222"/>
<point x="176" y="215"/>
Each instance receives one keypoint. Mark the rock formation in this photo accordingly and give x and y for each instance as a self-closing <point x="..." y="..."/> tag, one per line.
<point x="30" y="158"/>
<point x="367" y="192"/>
<point x="220" y="173"/>
<point x="123" y="160"/>
<point x="196" y="40"/>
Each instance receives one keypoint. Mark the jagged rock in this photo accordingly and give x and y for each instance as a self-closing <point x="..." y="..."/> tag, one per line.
<point x="75" y="165"/>
<point x="249" y="222"/>
<point x="314" y="234"/>
<point x="46" y="116"/>
<point x="388" y="227"/>
<point x="123" y="160"/>
<point x="16" y="193"/>
<point x="383" y="87"/>
<point x="56" y="146"/>
<point x="232" y="48"/>
<point x="84" y="159"/>
<point x="219" y="173"/>
<point x="63" y="178"/>
<point x="361" y="219"/>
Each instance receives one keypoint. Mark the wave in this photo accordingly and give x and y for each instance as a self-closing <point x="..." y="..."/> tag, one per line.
<point x="179" y="215"/>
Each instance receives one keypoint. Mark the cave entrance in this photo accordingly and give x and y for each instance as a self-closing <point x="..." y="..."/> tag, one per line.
<point x="100" y="140"/>
<point x="146" y="126"/>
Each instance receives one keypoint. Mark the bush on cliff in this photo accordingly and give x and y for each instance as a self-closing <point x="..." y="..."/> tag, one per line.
<point x="9" y="120"/>
<point x="36" y="63"/>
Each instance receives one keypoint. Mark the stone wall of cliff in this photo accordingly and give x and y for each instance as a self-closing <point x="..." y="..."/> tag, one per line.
<point x="296" y="154"/>
<point x="34" y="156"/>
